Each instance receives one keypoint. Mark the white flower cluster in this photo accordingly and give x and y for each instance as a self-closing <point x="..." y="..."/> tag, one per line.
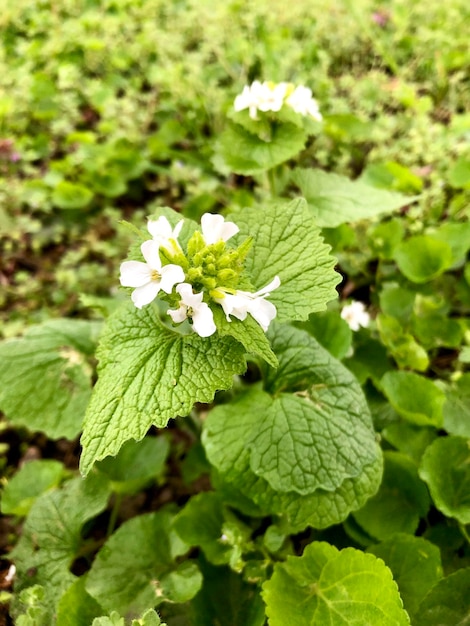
<point x="355" y="315"/>
<point x="151" y="277"/>
<point x="270" y="96"/>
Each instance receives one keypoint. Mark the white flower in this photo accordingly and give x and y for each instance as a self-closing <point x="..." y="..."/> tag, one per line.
<point x="191" y="305"/>
<point x="214" y="228"/>
<point x="241" y="303"/>
<point x="258" y="96"/>
<point x="149" y="277"/>
<point x="164" y="234"/>
<point x="355" y="315"/>
<point x="302" y="102"/>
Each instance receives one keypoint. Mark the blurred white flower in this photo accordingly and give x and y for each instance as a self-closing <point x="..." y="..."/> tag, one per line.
<point x="241" y="303"/>
<point x="165" y="236"/>
<point x="214" y="228"/>
<point x="258" y="96"/>
<point x="149" y="277"/>
<point x="355" y="315"/>
<point x="302" y="102"/>
<point x="191" y="305"/>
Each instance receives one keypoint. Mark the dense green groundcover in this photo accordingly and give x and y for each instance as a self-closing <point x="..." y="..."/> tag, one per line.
<point x="318" y="473"/>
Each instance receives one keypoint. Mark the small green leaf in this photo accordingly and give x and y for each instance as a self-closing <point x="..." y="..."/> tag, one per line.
<point x="456" y="408"/>
<point x="31" y="481"/>
<point x="410" y="439"/>
<point x="422" y="258"/>
<point x="226" y="600"/>
<point x="445" y="467"/>
<point x="459" y="174"/>
<point x="51" y="536"/>
<point x="45" y="380"/>
<point x="287" y="243"/>
<point x="414" y="397"/>
<point x="328" y="586"/>
<point x="415" y="564"/>
<point x="400" y="502"/>
<point x="149" y="374"/>
<point x="331" y="331"/>
<point x="245" y="153"/>
<point x="136" y="464"/>
<point x="148" y="546"/>
<point x="335" y="200"/>
<point x="69" y="195"/>
<point x="447" y="602"/>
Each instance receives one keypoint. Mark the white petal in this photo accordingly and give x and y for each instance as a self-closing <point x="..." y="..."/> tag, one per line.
<point x="203" y="321"/>
<point x="177" y="229"/>
<point x="263" y="312"/>
<point x="178" y="315"/>
<point x="236" y="305"/>
<point x="170" y="276"/>
<point x="265" y="291"/>
<point x="134" y="274"/>
<point x="145" y="294"/>
<point x="229" y="229"/>
<point x="150" y="252"/>
<point x="188" y="297"/>
<point x="214" y="227"/>
<point x="160" y="229"/>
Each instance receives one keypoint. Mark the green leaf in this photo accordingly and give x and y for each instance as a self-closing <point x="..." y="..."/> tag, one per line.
<point x="414" y="397"/>
<point x="136" y="464"/>
<point x="400" y="502"/>
<point x="459" y="174"/>
<point x="296" y="454"/>
<point x="335" y="200"/>
<point x="69" y="195"/>
<point x="407" y="352"/>
<point x="31" y="481"/>
<point x="447" y="602"/>
<point x="410" y="439"/>
<point x="328" y="586"/>
<point x="445" y="467"/>
<point x="456" y="409"/>
<point x="226" y="600"/>
<point x="288" y="244"/>
<point x="245" y="153"/>
<point x="149" y="374"/>
<point x="45" y="380"/>
<point x="148" y="547"/>
<point x="51" y="536"/>
<point x="331" y="331"/>
<point x="415" y="564"/>
<point x="248" y="332"/>
<point x="77" y="607"/>
<point x="422" y="258"/>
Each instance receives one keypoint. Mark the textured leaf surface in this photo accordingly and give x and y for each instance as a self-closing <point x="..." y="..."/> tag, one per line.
<point x="456" y="408"/>
<point x="45" y="381"/>
<point x="415" y="564"/>
<point x="149" y="374"/>
<point x="51" y="535"/>
<point x="245" y="153"/>
<point x="328" y="586"/>
<point x="282" y="452"/>
<point x="288" y="243"/>
<point x="447" y="603"/>
<point x="445" y="467"/>
<point x="147" y="547"/>
<point x="335" y="200"/>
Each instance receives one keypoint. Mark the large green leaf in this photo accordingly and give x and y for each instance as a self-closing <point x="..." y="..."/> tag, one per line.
<point x="328" y="586"/>
<point x="445" y="467"/>
<point x="415" y="564"/>
<point x="245" y="153"/>
<point x="414" y="397"/>
<point x="422" y="258"/>
<point x="287" y="243"/>
<point x="45" y="380"/>
<point x="295" y="454"/>
<point x="147" y="547"/>
<point x="148" y="374"/>
<point x="334" y="199"/>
